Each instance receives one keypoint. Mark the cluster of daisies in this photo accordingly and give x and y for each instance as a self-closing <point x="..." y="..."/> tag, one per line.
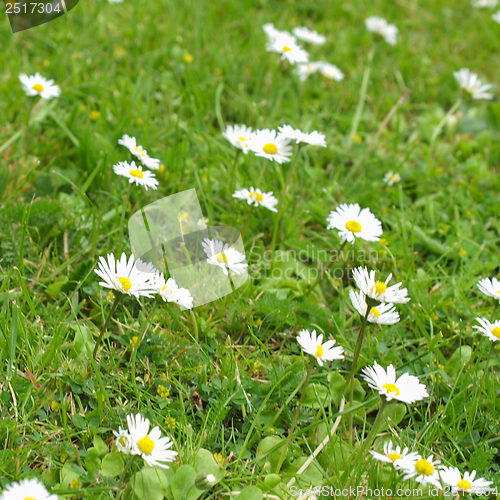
<point x="275" y="145"/>
<point x="134" y="277"/>
<point x="287" y="44"/>
<point x="430" y="471"/>
<point x="135" y="173"/>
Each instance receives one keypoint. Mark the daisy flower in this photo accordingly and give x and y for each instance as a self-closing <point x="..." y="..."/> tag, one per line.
<point x="466" y="483"/>
<point x="485" y="4"/>
<point x="255" y="196"/>
<point x="391" y="178"/>
<point x="132" y="277"/>
<point x="313" y="344"/>
<point x="171" y="292"/>
<point x="153" y="448"/>
<point x="307" y="35"/>
<point x="380" y="26"/>
<point x="139" y="152"/>
<point x="490" y="287"/>
<point x="352" y="223"/>
<point x="289" y="49"/>
<point x="123" y="441"/>
<point x="38" y="85"/>
<point x="381" y="314"/>
<point x="490" y="330"/>
<point x="313" y="138"/>
<point x="304" y="70"/>
<point x="272" y="32"/>
<point x="330" y="71"/>
<point x="423" y="471"/>
<point x="135" y="174"/>
<point x="470" y="83"/>
<point x="496" y="17"/>
<point x="226" y="257"/>
<point x="406" y="388"/>
<point x="238" y="136"/>
<point x="31" y="489"/>
<point x="378" y="290"/>
<point x="395" y="456"/>
<point x="268" y="144"/>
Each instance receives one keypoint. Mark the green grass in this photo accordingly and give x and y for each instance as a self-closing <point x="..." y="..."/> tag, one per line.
<point x="61" y="207"/>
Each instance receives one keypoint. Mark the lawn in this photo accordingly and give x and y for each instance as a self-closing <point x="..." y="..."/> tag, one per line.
<point x="249" y="412"/>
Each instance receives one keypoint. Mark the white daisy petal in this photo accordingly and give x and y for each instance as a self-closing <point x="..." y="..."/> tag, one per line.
<point x="37" y="85"/>
<point x="224" y="256"/>
<point x="378" y="290"/>
<point x="307" y="35"/>
<point x="26" y="489"/>
<point x="238" y="136"/>
<point x="423" y="470"/>
<point x="470" y="83"/>
<point x="254" y="196"/>
<point x="313" y="345"/>
<point x="136" y="175"/>
<point x="465" y="483"/>
<point x="490" y="330"/>
<point x="153" y="448"/>
<point x="490" y="287"/>
<point x="406" y="388"/>
<point x="268" y="144"/>
<point x="353" y="222"/>
<point x="380" y="26"/>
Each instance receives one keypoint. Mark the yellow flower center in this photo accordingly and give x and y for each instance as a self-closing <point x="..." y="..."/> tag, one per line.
<point x="394" y="456"/>
<point x="222" y="258"/>
<point x="139" y="149"/>
<point x="319" y="351"/>
<point x="256" y="196"/>
<point x="123" y="441"/>
<point x="125" y="283"/>
<point x="375" y="312"/>
<point x="380" y="287"/>
<point x="464" y="485"/>
<point x="286" y="48"/>
<point x="29" y="498"/>
<point x="391" y="388"/>
<point x="353" y="225"/>
<point x="242" y="139"/>
<point x="146" y="445"/>
<point x="270" y="148"/>
<point x="136" y="173"/>
<point x="424" y="467"/>
<point x="496" y="332"/>
<point x="38" y="87"/>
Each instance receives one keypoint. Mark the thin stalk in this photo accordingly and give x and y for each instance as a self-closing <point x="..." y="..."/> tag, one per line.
<point x="247" y="222"/>
<point x="369" y="439"/>
<point x="103" y="329"/>
<point x="122" y="476"/>
<point x="350" y="380"/>
<point x="295" y="419"/>
<point x="277" y="219"/>
<point x="233" y="175"/>
<point x="442" y="123"/>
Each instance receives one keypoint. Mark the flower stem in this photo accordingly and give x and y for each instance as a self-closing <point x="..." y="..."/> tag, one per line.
<point x="295" y="419"/>
<point x="350" y="380"/>
<point x="233" y="175"/>
<point x="247" y="221"/>
<point x="445" y="118"/>
<point x="369" y="439"/>
<point x="103" y="329"/>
